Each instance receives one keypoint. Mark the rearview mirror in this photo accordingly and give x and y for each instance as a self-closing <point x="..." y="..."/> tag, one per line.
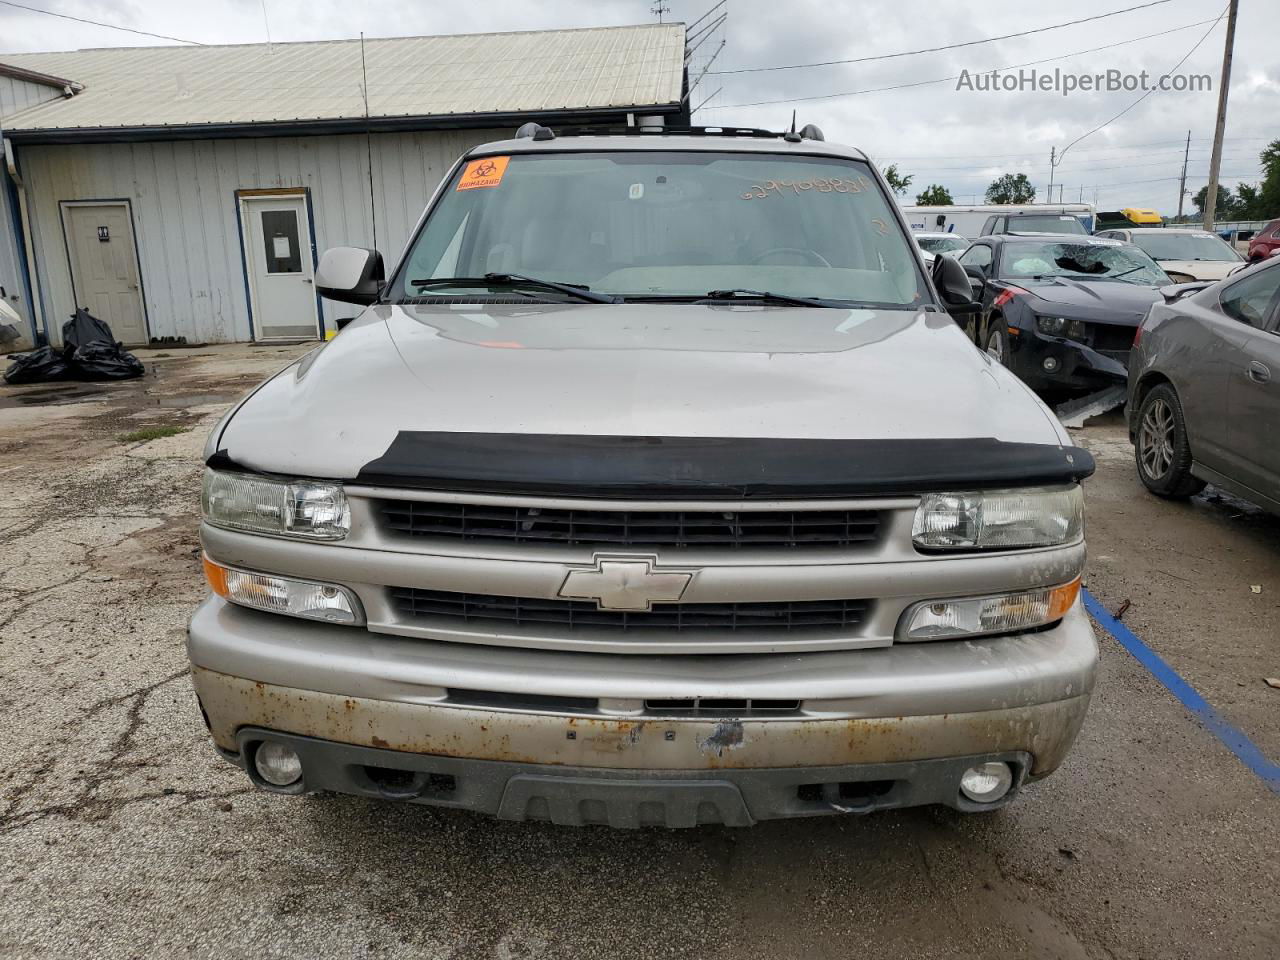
<point x="350" y="274"/>
<point x="953" y="284"/>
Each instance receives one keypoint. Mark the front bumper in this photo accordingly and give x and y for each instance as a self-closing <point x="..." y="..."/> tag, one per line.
<point x="568" y="727"/>
<point x="1080" y="368"/>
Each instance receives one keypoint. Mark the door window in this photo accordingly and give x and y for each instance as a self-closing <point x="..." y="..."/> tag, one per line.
<point x="1250" y="300"/>
<point x="979" y="255"/>
<point x="280" y="241"/>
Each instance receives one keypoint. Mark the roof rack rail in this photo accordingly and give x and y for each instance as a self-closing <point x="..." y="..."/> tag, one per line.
<point x="810" y="132"/>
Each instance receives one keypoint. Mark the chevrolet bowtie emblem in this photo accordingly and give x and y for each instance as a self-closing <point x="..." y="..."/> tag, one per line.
<point x="625" y="584"/>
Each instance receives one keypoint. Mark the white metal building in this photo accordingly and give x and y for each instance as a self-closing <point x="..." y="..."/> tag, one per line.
<point x="186" y="192"/>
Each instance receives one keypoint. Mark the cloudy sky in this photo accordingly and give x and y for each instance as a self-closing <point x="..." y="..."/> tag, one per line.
<point x="937" y="133"/>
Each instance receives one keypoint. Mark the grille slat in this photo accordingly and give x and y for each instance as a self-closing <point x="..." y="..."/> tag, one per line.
<point x="631" y="528"/>
<point x="569" y="615"/>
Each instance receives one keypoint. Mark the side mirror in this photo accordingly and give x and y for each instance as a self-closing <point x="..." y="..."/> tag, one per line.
<point x="1175" y="292"/>
<point x="976" y="272"/>
<point x="952" y="281"/>
<point x="350" y="274"/>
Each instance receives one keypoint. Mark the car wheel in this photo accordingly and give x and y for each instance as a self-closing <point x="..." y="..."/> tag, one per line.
<point x="1161" y="450"/>
<point x="997" y="345"/>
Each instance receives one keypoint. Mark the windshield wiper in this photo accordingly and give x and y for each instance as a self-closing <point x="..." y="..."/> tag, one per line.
<point x="767" y="297"/>
<point x="575" y="290"/>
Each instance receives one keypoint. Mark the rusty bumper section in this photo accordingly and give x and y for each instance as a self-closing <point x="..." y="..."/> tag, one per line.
<point x="1044" y="731"/>
<point x="574" y="796"/>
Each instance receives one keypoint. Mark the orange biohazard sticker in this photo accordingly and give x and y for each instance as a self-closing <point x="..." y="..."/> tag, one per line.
<point x="485" y="172"/>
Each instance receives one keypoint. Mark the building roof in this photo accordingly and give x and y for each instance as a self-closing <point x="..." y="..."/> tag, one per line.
<point x="453" y="80"/>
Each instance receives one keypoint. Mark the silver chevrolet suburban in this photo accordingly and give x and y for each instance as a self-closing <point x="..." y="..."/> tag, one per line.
<point x="654" y="485"/>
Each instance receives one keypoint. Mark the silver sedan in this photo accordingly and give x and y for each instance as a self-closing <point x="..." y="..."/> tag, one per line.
<point x="1204" y="388"/>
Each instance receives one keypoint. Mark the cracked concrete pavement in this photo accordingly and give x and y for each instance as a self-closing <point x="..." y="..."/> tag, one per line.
<point x="122" y="834"/>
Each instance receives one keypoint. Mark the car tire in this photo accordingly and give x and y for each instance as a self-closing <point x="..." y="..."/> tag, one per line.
<point x="996" y="344"/>
<point x="1160" y="446"/>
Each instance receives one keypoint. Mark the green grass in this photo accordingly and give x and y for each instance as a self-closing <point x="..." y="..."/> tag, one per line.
<point x="151" y="433"/>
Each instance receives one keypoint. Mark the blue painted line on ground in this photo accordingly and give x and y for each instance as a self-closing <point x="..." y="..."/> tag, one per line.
<point x="1232" y="738"/>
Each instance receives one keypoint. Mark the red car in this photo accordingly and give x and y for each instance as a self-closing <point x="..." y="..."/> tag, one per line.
<point x="1265" y="243"/>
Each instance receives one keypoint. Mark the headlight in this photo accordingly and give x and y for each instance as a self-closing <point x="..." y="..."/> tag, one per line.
<point x="1008" y="613"/>
<point x="243" y="501"/>
<point x="1060" y="327"/>
<point x="296" y="598"/>
<point x="999" y="519"/>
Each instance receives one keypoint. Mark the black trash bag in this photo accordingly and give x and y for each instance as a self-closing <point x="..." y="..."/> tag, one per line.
<point x="39" y="366"/>
<point x="82" y="329"/>
<point x="103" y="360"/>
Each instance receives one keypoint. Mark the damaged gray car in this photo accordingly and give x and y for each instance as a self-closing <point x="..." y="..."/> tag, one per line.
<point x="655" y="485"/>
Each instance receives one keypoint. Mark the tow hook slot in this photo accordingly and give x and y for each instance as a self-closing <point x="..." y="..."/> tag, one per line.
<point x="396" y="784"/>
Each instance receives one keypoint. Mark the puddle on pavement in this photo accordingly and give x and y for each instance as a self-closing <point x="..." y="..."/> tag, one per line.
<point x="52" y="396"/>
<point x="192" y="399"/>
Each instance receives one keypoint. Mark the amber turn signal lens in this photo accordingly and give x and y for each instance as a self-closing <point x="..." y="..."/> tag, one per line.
<point x="1063" y="598"/>
<point x="216" y="575"/>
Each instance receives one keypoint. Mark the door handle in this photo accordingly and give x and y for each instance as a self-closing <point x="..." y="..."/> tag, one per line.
<point x="306" y="280"/>
<point x="1258" y="372"/>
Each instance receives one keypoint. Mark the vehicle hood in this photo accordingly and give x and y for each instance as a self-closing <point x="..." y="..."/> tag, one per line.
<point x="653" y="370"/>
<point x="1102" y="301"/>
<point x="1200" y="269"/>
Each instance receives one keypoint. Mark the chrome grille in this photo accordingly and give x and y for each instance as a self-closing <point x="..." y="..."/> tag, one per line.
<point x="570" y="615"/>
<point x="630" y="528"/>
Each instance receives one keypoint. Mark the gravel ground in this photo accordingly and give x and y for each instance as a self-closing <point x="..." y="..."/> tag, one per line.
<point x="122" y="834"/>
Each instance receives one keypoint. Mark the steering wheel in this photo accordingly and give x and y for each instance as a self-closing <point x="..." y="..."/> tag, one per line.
<point x="811" y="255"/>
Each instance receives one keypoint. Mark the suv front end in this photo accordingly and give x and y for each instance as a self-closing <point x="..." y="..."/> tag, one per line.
<point x="664" y="558"/>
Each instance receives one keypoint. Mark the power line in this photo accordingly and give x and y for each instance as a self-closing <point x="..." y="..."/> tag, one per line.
<point x="950" y="46"/>
<point x="925" y="83"/>
<point x="1167" y="73"/>
<point x="99" y="23"/>
<point x="1036" y="155"/>
<point x="1127" y="166"/>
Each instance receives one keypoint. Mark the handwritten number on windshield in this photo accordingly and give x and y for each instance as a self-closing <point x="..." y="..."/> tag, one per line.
<point x="759" y="191"/>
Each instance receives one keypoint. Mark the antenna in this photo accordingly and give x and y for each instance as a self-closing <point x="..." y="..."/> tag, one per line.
<point x="266" y="22"/>
<point x="793" y="121"/>
<point x="368" y="141"/>
<point x="659" y="9"/>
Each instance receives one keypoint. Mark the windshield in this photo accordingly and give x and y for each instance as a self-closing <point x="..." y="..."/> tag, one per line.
<point x="667" y="224"/>
<point x="1184" y="246"/>
<point x="1046" y="223"/>
<point x="942" y="244"/>
<point x="1097" y="261"/>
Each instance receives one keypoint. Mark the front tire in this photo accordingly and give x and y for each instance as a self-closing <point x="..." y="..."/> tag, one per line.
<point x="997" y="342"/>
<point x="1161" y="449"/>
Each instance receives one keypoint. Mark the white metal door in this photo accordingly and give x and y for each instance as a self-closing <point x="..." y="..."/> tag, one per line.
<point x="281" y="272"/>
<point x="104" y="265"/>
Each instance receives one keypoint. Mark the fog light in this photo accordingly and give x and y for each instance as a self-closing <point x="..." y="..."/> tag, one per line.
<point x="1050" y="364"/>
<point x="277" y="764"/>
<point x="987" y="782"/>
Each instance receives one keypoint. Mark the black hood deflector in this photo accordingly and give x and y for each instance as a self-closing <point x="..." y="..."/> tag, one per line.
<point x="714" y="467"/>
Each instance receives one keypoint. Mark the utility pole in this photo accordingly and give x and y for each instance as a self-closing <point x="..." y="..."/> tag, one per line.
<point x="1215" y="164"/>
<point x="1053" y="154"/>
<point x="1182" y="184"/>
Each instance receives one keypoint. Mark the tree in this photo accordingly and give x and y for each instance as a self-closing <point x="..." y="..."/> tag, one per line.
<point x="897" y="183"/>
<point x="1226" y="206"/>
<point x="1269" y="191"/>
<point x="1248" y="202"/>
<point x="1011" y="188"/>
<point x="934" y="195"/>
